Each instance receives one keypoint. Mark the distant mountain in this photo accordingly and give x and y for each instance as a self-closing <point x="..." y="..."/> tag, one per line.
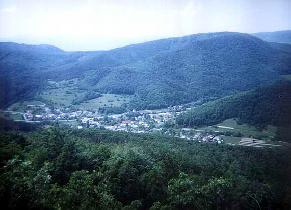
<point x="158" y="73"/>
<point x="41" y="48"/>
<point x="270" y="105"/>
<point x="276" y="36"/>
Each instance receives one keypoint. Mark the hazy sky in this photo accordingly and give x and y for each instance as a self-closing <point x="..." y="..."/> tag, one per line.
<point x="106" y="24"/>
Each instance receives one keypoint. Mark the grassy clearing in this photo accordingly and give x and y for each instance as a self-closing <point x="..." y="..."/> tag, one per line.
<point x="62" y="93"/>
<point x="231" y="140"/>
<point x="106" y="100"/>
<point x="267" y="133"/>
<point x="22" y="106"/>
<point x="246" y="130"/>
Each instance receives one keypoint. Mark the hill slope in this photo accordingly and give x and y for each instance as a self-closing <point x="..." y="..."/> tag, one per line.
<point x="22" y="69"/>
<point x="158" y="73"/>
<point x="269" y="105"/>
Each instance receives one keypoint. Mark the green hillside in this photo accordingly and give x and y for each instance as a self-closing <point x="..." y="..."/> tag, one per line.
<point x="269" y="105"/>
<point x="157" y="73"/>
<point x="23" y="67"/>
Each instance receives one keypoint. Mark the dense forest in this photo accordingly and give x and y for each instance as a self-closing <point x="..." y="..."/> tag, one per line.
<point x="270" y="105"/>
<point x="158" y="73"/>
<point x="96" y="169"/>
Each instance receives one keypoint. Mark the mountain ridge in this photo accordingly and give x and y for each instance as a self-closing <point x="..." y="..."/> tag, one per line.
<point x="275" y="36"/>
<point x="162" y="72"/>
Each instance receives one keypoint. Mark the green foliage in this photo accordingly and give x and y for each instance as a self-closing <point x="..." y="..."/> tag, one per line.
<point x="269" y="105"/>
<point x="96" y="169"/>
<point x="88" y="96"/>
<point x="112" y="110"/>
<point x="158" y="73"/>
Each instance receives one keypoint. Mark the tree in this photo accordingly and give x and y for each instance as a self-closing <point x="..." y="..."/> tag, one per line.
<point x="185" y="193"/>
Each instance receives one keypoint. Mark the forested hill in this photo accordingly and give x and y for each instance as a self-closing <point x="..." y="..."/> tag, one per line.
<point x="158" y="73"/>
<point x="269" y="105"/>
<point x="22" y="69"/>
<point x="276" y="36"/>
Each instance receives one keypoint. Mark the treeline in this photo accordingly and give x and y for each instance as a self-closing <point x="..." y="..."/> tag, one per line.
<point x="112" y="110"/>
<point x="88" y="96"/>
<point x="95" y="169"/>
<point x="269" y="105"/>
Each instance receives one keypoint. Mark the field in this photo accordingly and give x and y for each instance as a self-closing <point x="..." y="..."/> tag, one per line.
<point x="238" y="131"/>
<point x="250" y="142"/>
<point x="64" y="93"/>
<point x="231" y="140"/>
<point x="245" y="130"/>
<point x="22" y="106"/>
<point x="106" y="100"/>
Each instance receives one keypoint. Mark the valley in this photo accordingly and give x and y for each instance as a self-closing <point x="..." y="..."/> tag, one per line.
<point x="73" y="104"/>
<point x="195" y="122"/>
<point x="159" y="121"/>
<point x="145" y="105"/>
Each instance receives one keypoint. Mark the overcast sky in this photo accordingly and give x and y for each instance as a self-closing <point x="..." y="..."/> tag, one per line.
<point x="106" y="24"/>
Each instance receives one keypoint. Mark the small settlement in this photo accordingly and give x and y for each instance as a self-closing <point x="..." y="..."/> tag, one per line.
<point x="142" y="121"/>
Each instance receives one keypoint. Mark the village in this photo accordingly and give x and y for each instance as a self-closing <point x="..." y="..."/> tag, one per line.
<point x="142" y="121"/>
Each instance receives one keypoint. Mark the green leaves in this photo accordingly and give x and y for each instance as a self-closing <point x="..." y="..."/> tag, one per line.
<point x="92" y="170"/>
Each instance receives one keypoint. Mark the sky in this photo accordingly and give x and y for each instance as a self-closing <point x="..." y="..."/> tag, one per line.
<point x="105" y="24"/>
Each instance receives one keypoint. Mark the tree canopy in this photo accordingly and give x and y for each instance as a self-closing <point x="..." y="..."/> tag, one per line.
<point x="95" y="169"/>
